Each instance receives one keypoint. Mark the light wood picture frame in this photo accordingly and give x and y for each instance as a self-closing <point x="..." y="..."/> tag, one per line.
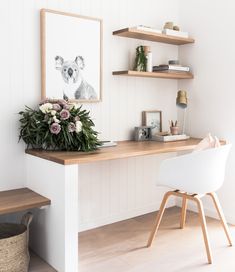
<point x="71" y="56"/>
<point x="153" y="119"/>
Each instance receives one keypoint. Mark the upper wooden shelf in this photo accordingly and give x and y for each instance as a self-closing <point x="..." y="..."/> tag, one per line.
<point x="154" y="37"/>
<point x="169" y="75"/>
<point x="20" y="200"/>
<point x="124" y="149"/>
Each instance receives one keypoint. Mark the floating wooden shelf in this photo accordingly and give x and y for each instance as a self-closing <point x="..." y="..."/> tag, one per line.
<point x="151" y="36"/>
<point x="21" y="200"/>
<point x="169" y="75"/>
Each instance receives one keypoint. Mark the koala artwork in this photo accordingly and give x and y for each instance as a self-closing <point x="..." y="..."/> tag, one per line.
<point x="75" y="86"/>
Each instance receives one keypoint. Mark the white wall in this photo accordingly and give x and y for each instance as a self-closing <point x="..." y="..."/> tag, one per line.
<point x="211" y="93"/>
<point x="123" y="98"/>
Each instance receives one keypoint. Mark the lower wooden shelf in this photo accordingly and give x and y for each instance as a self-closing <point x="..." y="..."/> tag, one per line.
<point x="168" y="74"/>
<point x="20" y="200"/>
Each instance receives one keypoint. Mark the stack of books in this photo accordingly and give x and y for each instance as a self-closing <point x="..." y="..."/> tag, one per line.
<point x="170" y="67"/>
<point x="170" y="138"/>
<point x="108" y="143"/>
<point x="175" y="33"/>
<point x="147" y="29"/>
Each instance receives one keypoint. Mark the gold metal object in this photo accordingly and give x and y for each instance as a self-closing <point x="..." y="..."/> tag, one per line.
<point x="176" y="28"/>
<point x="182" y="99"/>
<point x="168" y="25"/>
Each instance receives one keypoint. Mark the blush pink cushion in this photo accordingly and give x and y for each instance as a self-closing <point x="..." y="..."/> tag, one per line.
<point x="217" y="142"/>
<point x="206" y="143"/>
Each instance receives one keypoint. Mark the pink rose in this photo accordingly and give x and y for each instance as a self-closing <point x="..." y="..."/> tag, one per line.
<point x="64" y="114"/>
<point x="55" y="128"/>
<point x="56" y="107"/>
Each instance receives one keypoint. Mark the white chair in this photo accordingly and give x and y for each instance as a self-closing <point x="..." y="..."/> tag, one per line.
<point x="193" y="176"/>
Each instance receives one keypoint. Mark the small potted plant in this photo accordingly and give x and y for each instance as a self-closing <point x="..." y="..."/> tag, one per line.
<point x="58" y="125"/>
<point x="174" y="127"/>
<point x="140" y="59"/>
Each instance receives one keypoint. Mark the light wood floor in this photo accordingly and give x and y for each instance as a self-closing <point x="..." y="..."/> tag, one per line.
<point x="38" y="265"/>
<point x="120" y="247"/>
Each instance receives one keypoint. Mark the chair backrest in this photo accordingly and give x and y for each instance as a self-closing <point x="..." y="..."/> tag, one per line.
<point x="198" y="172"/>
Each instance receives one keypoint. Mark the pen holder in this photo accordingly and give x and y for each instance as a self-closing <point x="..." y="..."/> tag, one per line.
<point x="174" y="130"/>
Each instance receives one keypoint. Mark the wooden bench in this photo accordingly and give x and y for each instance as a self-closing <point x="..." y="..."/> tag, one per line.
<point x="20" y="200"/>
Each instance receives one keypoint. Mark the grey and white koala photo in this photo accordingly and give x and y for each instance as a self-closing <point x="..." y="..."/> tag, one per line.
<point x="75" y="86"/>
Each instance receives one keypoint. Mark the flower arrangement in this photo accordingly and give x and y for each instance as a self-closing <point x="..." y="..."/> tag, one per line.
<point x="58" y="125"/>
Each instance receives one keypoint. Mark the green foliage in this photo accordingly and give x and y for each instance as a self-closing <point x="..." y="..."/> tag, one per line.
<point x="35" y="128"/>
<point x="140" y="59"/>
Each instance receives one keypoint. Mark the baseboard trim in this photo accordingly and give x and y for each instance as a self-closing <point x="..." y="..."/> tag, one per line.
<point x="137" y="212"/>
<point x="208" y="212"/>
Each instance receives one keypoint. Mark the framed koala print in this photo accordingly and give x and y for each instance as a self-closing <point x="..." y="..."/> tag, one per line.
<point x="71" y="56"/>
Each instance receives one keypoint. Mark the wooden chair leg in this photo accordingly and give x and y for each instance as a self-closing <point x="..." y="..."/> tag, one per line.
<point x="159" y="218"/>
<point x="204" y="228"/>
<point x="221" y="216"/>
<point x="183" y="212"/>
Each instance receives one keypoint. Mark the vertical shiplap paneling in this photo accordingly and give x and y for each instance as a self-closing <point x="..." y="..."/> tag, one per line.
<point x="123" y="187"/>
<point x="5" y="87"/>
<point x="116" y="190"/>
<point x="11" y="84"/>
<point x="108" y="191"/>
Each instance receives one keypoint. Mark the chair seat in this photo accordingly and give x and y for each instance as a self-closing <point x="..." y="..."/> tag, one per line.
<point x="189" y="193"/>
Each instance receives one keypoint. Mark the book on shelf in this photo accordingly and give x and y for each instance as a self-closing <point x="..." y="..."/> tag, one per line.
<point x="147" y="29"/>
<point x="165" y="67"/>
<point x="160" y="68"/>
<point x="170" y="138"/>
<point x="108" y="144"/>
<point x="175" y="33"/>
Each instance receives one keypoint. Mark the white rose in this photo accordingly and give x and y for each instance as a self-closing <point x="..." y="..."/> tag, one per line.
<point x="73" y="106"/>
<point x="55" y="119"/>
<point x="76" y="106"/>
<point x="45" y="108"/>
<point x="53" y="112"/>
<point x="78" y="126"/>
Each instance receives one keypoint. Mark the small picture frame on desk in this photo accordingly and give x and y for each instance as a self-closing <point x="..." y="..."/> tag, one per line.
<point x="143" y="133"/>
<point x="153" y="119"/>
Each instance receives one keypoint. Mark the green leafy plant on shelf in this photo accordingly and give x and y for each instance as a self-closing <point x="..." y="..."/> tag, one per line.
<point x="140" y="59"/>
<point x="58" y="125"/>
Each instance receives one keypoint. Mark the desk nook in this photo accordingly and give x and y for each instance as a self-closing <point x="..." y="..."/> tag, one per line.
<point x="55" y="175"/>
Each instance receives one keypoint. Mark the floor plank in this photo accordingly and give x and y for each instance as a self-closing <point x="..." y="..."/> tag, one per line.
<point x="38" y="265"/>
<point x="120" y="247"/>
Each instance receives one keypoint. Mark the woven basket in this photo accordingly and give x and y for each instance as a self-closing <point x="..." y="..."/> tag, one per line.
<point x="14" y="253"/>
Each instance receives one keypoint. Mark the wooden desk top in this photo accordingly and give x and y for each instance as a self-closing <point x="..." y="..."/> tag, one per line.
<point x="124" y="149"/>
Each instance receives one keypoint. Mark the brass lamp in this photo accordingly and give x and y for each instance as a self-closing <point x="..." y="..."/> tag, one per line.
<point x="182" y="99"/>
<point x="182" y="102"/>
